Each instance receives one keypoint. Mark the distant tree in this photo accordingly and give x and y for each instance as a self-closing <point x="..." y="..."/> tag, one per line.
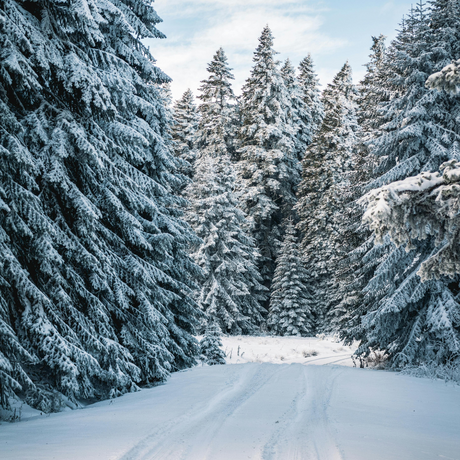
<point x="309" y="84"/>
<point x="356" y="268"/>
<point x="230" y="293"/>
<point x="299" y="115"/>
<point x="211" y="352"/>
<point x="325" y="191"/>
<point x="183" y="131"/>
<point x="216" y="110"/>
<point x="291" y="309"/>
<point x="268" y="161"/>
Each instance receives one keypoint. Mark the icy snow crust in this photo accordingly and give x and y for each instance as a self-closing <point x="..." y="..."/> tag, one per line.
<point x="285" y="409"/>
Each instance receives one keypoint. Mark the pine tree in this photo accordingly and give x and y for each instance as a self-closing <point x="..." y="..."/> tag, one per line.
<point x="309" y="84"/>
<point x="325" y="191"/>
<point x="403" y="314"/>
<point x="216" y="111"/>
<point x="210" y="346"/>
<point x="268" y="163"/>
<point x="374" y="90"/>
<point x="184" y="131"/>
<point x="291" y="305"/>
<point x="357" y="267"/>
<point x="95" y="280"/>
<point x="231" y="293"/>
<point x="299" y="115"/>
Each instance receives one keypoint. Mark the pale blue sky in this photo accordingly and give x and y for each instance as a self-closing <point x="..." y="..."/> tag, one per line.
<point x="331" y="30"/>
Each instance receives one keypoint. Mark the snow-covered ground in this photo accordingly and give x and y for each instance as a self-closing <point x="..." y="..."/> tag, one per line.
<point x="286" y="350"/>
<point x="270" y="404"/>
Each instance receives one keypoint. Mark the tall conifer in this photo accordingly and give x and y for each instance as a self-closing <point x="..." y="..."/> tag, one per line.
<point x="268" y="162"/>
<point x="291" y="304"/>
<point x="230" y="293"/>
<point x="309" y="84"/>
<point x="419" y="134"/>
<point x="325" y="191"/>
<point x="95" y="281"/>
<point x="184" y="131"/>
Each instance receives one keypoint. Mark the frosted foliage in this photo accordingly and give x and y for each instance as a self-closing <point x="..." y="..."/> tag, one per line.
<point x="419" y="124"/>
<point x="417" y="208"/>
<point x="375" y="89"/>
<point x="309" y="85"/>
<point x="299" y="115"/>
<point x="183" y="131"/>
<point x="268" y="161"/>
<point x="230" y="293"/>
<point x="326" y="189"/>
<point x="211" y="346"/>
<point x="95" y="280"/>
<point x="216" y="96"/>
<point x="291" y="305"/>
<point x="356" y="268"/>
<point x="412" y="306"/>
<point x="448" y="79"/>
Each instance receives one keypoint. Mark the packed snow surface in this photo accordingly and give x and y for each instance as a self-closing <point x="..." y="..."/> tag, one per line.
<point x="271" y="403"/>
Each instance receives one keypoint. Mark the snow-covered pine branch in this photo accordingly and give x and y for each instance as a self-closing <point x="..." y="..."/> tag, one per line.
<point x="447" y="79"/>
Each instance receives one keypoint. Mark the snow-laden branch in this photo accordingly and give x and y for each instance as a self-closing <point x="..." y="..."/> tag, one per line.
<point x="412" y="209"/>
<point x="447" y="79"/>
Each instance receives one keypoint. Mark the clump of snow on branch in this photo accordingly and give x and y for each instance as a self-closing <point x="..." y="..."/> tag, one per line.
<point x="419" y="206"/>
<point x="447" y="79"/>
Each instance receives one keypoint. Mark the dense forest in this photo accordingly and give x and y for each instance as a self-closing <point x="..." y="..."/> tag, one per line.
<point x="130" y="224"/>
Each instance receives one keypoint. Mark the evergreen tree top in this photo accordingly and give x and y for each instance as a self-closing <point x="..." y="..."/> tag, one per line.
<point x="288" y="72"/>
<point x="265" y="44"/>
<point x="187" y="98"/>
<point x="306" y="68"/>
<point x="217" y="88"/>
<point x="266" y="66"/>
<point x="341" y="84"/>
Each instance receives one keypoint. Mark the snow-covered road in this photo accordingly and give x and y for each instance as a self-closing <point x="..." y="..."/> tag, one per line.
<point x="255" y="411"/>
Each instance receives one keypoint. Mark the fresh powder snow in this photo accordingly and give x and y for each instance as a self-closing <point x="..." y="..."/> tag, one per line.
<point x="277" y="398"/>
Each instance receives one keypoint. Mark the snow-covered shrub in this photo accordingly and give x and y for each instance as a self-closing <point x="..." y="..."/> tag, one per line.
<point x="211" y="351"/>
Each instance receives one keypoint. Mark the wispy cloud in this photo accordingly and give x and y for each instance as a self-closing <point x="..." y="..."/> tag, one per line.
<point x="201" y="27"/>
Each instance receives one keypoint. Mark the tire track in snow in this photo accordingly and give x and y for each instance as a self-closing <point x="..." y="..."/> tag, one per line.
<point x="194" y="431"/>
<point x="341" y="356"/>
<point x="305" y="431"/>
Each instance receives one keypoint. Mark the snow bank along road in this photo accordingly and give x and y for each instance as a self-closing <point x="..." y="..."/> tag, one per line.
<point x="255" y="411"/>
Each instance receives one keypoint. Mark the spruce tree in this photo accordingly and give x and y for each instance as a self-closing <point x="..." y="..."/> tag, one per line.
<point x="419" y="134"/>
<point x="325" y="191"/>
<point x="210" y="346"/>
<point x="216" y="106"/>
<point x="359" y="263"/>
<point x="309" y="84"/>
<point x="268" y="162"/>
<point x="374" y="90"/>
<point x="291" y="305"/>
<point x="184" y="131"/>
<point x="299" y="115"/>
<point x="95" y="280"/>
<point x="231" y="293"/>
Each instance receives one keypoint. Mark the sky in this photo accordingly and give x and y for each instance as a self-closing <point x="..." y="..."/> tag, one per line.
<point x="333" y="31"/>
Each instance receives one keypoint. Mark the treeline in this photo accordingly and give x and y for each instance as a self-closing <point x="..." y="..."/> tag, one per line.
<point x="279" y="180"/>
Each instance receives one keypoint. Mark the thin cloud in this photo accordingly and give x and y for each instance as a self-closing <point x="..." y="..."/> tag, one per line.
<point x="235" y="25"/>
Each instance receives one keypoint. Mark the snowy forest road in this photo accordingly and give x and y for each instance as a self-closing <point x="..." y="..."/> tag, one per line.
<point x="261" y="411"/>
